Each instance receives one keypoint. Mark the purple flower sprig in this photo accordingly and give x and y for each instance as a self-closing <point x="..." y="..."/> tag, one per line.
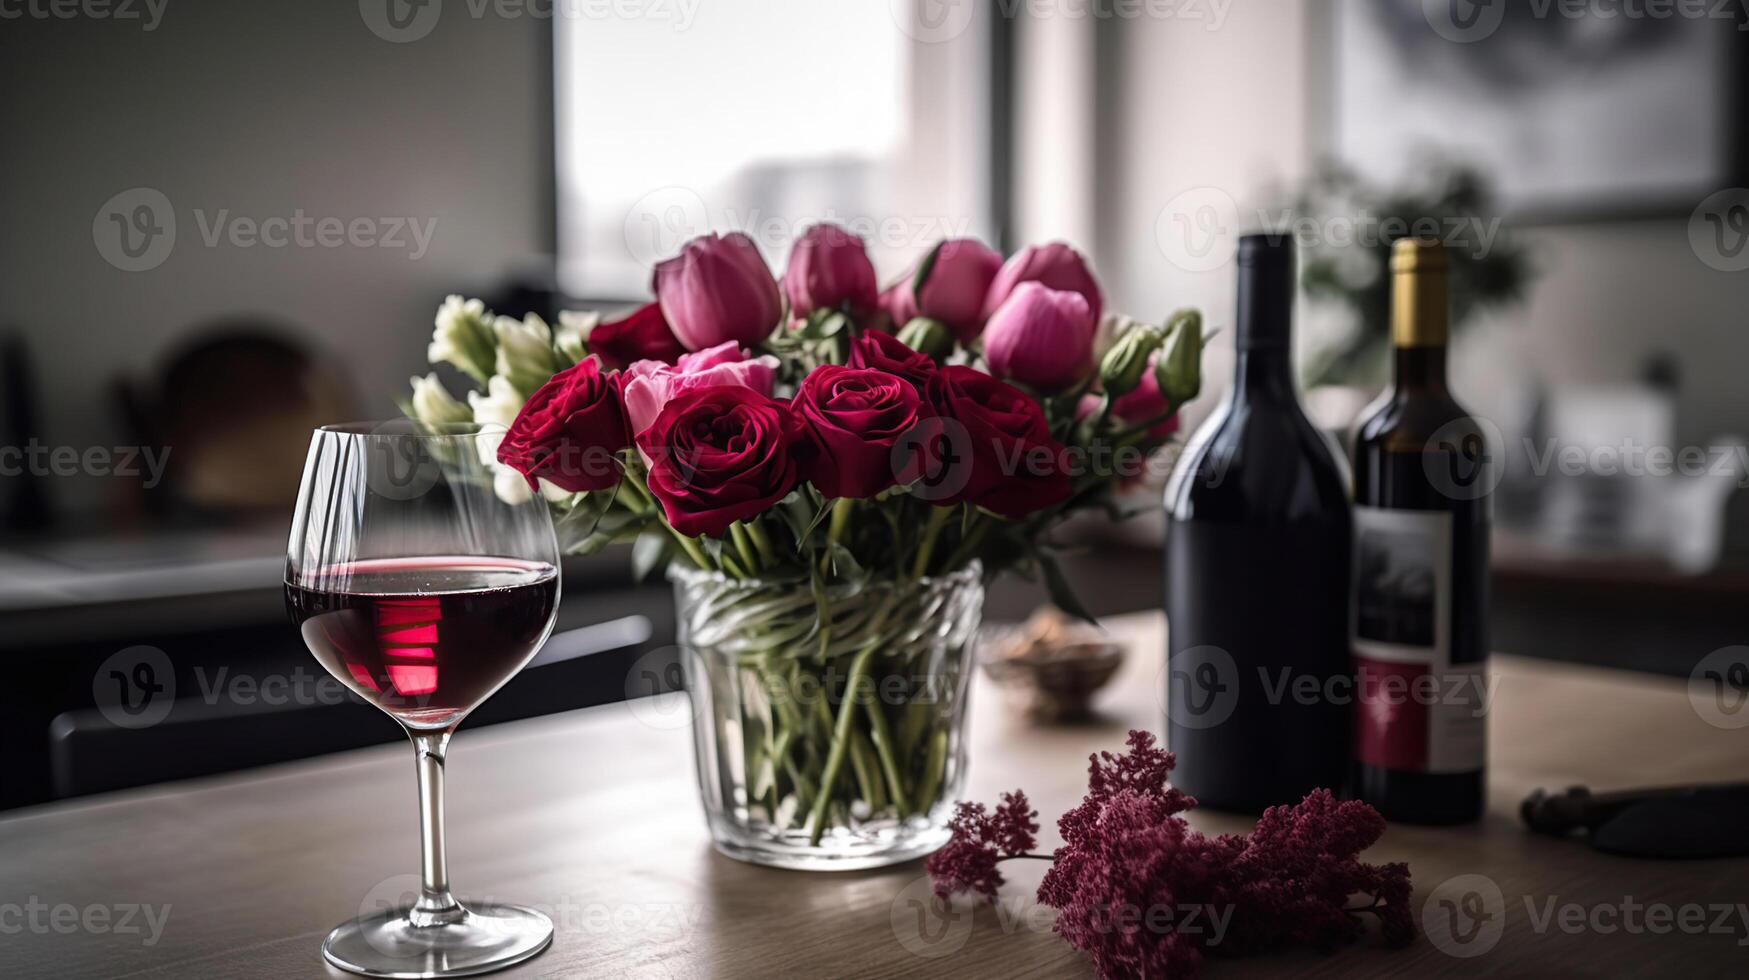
<point x="1128" y="854"/>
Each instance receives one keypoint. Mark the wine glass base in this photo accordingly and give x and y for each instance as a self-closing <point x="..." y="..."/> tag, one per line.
<point x="490" y="937"/>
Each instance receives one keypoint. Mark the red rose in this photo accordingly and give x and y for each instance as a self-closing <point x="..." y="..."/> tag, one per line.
<point x="856" y="416"/>
<point x="642" y="335"/>
<point x="569" y="430"/>
<point x="722" y="454"/>
<point x="991" y="446"/>
<point x="885" y="352"/>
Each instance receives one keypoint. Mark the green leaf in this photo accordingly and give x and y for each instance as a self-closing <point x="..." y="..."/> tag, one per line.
<point x="649" y="552"/>
<point x="807" y="532"/>
<point x="925" y="267"/>
<point x="578" y="524"/>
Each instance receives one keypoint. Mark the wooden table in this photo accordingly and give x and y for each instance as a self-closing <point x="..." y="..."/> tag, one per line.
<point x="593" y="817"/>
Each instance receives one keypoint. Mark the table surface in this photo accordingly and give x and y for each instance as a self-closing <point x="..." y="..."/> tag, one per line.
<point x="593" y="817"/>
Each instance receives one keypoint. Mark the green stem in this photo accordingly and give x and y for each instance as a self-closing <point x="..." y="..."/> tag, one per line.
<point x="835" y="529"/>
<point x="744" y="546"/>
<point x="933" y="770"/>
<point x="762" y="541"/>
<point x="974" y="540"/>
<point x="883" y="743"/>
<point x="841" y="728"/>
<point x="691" y="548"/>
<point x="937" y="518"/>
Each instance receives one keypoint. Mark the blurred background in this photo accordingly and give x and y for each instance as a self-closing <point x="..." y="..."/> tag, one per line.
<point x="227" y="223"/>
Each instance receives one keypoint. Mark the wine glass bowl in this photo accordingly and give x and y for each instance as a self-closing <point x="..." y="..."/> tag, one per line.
<point x="423" y="589"/>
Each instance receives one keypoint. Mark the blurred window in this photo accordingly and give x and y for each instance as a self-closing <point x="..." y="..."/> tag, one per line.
<point x="765" y="116"/>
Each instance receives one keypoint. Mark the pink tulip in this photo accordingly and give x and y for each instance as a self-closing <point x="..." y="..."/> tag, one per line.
<point x="898" y="304"/>
<point x="1055" y="265"/>
<point x="953" y="289"/>
<point x="829" y="269"/>
<point x="718" y="290"/>
<point x="1041" y="337"/>
<point x="648" y="385"/>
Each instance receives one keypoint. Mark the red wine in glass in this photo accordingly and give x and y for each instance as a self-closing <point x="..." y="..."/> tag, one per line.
<point x="425" y="639"/>
<point x="423" y="589"/>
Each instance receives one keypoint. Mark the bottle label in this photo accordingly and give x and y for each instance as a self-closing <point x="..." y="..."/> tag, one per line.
<point x="1421" y="703"/>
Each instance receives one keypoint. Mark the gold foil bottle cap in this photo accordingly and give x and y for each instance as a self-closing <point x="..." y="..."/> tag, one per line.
<point x="1418" y="293"/>
<point x="1418" y="255"/>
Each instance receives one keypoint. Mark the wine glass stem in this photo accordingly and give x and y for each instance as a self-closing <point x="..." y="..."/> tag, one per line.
<point x="436" y="906"/>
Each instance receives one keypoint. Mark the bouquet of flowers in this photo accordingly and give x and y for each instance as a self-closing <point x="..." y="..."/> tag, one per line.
<point x="814" y="457"/>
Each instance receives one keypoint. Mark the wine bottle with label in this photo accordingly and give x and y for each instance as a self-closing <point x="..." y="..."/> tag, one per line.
<point x="1422" y="486"/>
<point x="1257" y="574"/>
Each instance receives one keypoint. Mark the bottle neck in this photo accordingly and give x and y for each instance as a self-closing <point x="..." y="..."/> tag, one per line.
<point x="1420" y="368"/>
<point x="1265" y="374"/>
<point x="1264" y="327"/>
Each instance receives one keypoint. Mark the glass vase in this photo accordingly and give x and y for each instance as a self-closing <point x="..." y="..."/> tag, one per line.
<point x="829" y="729"/>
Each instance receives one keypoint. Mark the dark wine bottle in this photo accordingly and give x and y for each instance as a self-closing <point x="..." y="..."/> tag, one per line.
<point x="1257" y="574"/>
<point x="1422" y="489"/>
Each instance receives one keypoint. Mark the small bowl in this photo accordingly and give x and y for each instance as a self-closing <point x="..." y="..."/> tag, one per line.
<point x="1053" y="677"/>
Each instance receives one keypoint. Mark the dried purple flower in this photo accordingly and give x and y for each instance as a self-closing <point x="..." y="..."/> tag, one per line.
<point x="980" y="840"/>
<point x="1143" y="894"/>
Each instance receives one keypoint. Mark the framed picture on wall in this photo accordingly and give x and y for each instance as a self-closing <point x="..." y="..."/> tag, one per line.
<point x="1571" y="115"/>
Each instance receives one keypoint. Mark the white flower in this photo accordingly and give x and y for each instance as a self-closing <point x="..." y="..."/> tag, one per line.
<point x="495" y="411"/>
<point x="433" y="404"/>
<point x="510" y="486"/>
<point x="554" y="493"/>
<point x="571" y="336"/>
<point x="462" y="338"/>
<point x="525" y="352"/>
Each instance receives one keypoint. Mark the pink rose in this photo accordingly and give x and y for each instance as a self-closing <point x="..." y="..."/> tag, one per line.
<point x="718" y="290"/>
<point x="1055" y="265"/>
<point x="1041" y="337"/>
<point x="649" y="385"/>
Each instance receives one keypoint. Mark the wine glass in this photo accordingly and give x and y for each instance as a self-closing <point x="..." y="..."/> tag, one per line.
<point x="423" y="591"/>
